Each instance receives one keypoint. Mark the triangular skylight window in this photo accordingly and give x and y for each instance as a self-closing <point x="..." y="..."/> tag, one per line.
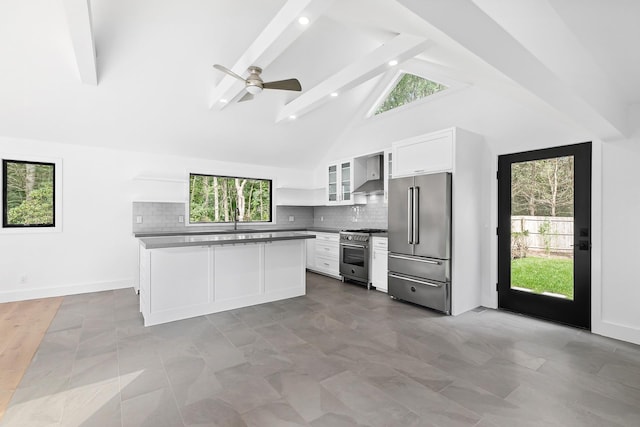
<point x="408" y="89"/>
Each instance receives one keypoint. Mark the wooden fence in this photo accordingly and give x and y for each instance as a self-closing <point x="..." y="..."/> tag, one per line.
<point x="549" y="234"/>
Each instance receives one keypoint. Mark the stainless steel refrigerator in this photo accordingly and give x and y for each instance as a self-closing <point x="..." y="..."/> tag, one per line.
<point x="420" y="240"/>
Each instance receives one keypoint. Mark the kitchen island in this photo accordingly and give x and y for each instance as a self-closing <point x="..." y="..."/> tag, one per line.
<point x="184" y="276"/>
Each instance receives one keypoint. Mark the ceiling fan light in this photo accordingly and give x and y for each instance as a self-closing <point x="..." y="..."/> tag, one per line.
<point x="253" y="89"/>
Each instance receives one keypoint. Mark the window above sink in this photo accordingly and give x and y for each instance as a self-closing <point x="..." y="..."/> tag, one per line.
<point x="218" y="199"/>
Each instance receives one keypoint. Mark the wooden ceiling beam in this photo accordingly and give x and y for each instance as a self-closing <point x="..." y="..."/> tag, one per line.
<point x="277" y="36"/>
<point x="78" y="14"/>
<point x="400" y="48"/>
<point x="464" y="22"/>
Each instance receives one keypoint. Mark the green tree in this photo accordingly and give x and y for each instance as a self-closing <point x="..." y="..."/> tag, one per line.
<point x="409" y="88"/>
<point x="36" y="209"/>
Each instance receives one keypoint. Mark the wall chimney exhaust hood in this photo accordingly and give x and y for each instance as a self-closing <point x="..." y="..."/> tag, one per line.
<point x="374" y="183"/>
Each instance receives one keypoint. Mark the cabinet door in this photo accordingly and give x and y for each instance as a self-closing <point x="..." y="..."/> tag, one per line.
<point x="379" y="270"/>
<point x="428" y="154"/>
<point x="311" y="253"/>
<point x="332" y="184"/>
<point x="346" y="182"/>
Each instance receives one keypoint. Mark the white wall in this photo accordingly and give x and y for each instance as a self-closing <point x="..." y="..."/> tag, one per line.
<point x="509" y="127"/>
<point x="95" y="249"/>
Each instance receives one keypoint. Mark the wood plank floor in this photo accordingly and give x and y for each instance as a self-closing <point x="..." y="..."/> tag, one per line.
<point x="22" y="327"/>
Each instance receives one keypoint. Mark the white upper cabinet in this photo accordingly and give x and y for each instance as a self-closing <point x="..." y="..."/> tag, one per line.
<point x="342" y="178"/>
<point x="424" y="154"/>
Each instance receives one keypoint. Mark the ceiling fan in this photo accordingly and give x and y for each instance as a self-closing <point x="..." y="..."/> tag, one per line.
<point x="254" y="84"/>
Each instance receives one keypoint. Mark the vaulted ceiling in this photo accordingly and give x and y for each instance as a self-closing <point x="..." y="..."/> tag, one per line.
<point x="137" y="75"/>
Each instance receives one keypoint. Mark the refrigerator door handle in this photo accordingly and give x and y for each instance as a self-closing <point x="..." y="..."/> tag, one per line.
<point x="416" y="215"/>
<point x="406" y="258"/>
<point x="411" y="279"/>
<point x="410" y="215"/>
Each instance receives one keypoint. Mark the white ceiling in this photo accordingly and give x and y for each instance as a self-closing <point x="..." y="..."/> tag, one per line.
<point x="154" y="61"/>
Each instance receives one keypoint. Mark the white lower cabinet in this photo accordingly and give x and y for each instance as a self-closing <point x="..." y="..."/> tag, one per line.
<point x="183" y="282"/>
<point x="326" y="254"/>
<point x="379" y="261"/>
<point x="311" y="251"/>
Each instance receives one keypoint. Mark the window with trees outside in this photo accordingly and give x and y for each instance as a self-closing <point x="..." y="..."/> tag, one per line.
<point x="217" y="199"/>
<point x="28" y="194"/>
<point x="408" y="89"/>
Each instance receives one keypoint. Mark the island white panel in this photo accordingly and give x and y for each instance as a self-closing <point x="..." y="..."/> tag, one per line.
<point x="238" y="271"/>
<point x="282" y="261"/>
<point x="180" y="278"/>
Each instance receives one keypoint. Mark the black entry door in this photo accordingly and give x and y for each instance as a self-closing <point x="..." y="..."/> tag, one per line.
<point x="544" y="233"/>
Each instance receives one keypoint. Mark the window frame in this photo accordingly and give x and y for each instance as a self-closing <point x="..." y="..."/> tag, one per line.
<point x="222" y="223"/>
<point x="57" y="195"/>
<point x="391" y="78"/>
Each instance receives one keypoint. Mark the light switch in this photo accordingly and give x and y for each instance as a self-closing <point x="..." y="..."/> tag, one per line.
<point x="139" y="219"/>
<point x="291" y="218"/>
<point x="180" y="218"/>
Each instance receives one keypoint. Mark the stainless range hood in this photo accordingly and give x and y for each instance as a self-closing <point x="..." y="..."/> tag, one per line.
<point x="374" y="183"/>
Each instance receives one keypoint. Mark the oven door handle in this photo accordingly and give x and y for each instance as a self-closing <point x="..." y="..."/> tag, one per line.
<point x="410" y="279"/>
<point x="354" y="246"/>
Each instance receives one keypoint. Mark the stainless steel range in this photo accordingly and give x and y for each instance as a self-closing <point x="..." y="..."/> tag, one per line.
<point x="354" y="254"/>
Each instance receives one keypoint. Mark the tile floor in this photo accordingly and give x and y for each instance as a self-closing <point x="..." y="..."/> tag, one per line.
<point x="340" y="356"/>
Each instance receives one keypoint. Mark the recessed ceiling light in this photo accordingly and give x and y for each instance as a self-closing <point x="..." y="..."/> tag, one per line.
<point x="334" y="94"/>
<point x="393" y="62"/>
<point x="223" y="101"/>
<point x="303" y="20"/>
<point x="292" y="117"/>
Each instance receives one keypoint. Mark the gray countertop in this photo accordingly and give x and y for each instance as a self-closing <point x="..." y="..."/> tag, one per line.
<point x="192" y="231"/>
<point x="176" y="241"/>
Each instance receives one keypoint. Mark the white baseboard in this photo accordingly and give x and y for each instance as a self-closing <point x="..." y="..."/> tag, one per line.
<point x="35" y="293"/>
<point x="617" y="331"/>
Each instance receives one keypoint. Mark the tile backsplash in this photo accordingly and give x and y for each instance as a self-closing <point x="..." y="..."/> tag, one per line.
<point x="371" y="215"/>
<point x="164" y="216"/>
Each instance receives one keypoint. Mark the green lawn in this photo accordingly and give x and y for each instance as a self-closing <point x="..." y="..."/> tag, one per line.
<point x="543" y="275"/>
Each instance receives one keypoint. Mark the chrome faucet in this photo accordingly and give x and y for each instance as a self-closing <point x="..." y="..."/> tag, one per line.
<point x="236" y="214"/>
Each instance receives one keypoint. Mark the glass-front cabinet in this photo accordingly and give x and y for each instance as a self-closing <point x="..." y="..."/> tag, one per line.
<point x="332" y="184"/>
<point x="340" y="183"/>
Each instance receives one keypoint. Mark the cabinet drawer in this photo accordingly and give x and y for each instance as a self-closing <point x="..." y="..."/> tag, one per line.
<point x="380" y="243"/>
<point x="328" y="237"/>
<point x="431" y="294"/>
<point x="328" y="250"/>
<point x="328" y="264"/>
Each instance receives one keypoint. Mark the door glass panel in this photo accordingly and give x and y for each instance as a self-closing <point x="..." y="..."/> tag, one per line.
<point x="346" y="181"/>
<point x="333" y="183"/>
<point x="542" y="226"/>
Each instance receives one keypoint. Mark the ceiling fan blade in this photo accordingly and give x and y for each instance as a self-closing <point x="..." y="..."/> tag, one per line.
<point x="228" y="71"/>
<point x="290" y="84"/>
<point x="246" y="97"/>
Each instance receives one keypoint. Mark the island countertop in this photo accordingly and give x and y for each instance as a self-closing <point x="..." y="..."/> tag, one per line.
<point x="219" y="239"/>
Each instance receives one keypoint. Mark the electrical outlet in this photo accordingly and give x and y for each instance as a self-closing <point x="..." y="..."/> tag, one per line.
<point x="180" y="218"/>
<point x="139" y="219"/>
<point x="321" y="218"/>
<point x="291" y="218"/>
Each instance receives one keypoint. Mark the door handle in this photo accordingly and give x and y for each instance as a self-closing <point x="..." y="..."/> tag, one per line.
<point x="410" y="215"/>
<point x="416" y="215"/>
<point x="584" y="245"/>
<point x="426" y="261"/>
<point x="410" y="279"/>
